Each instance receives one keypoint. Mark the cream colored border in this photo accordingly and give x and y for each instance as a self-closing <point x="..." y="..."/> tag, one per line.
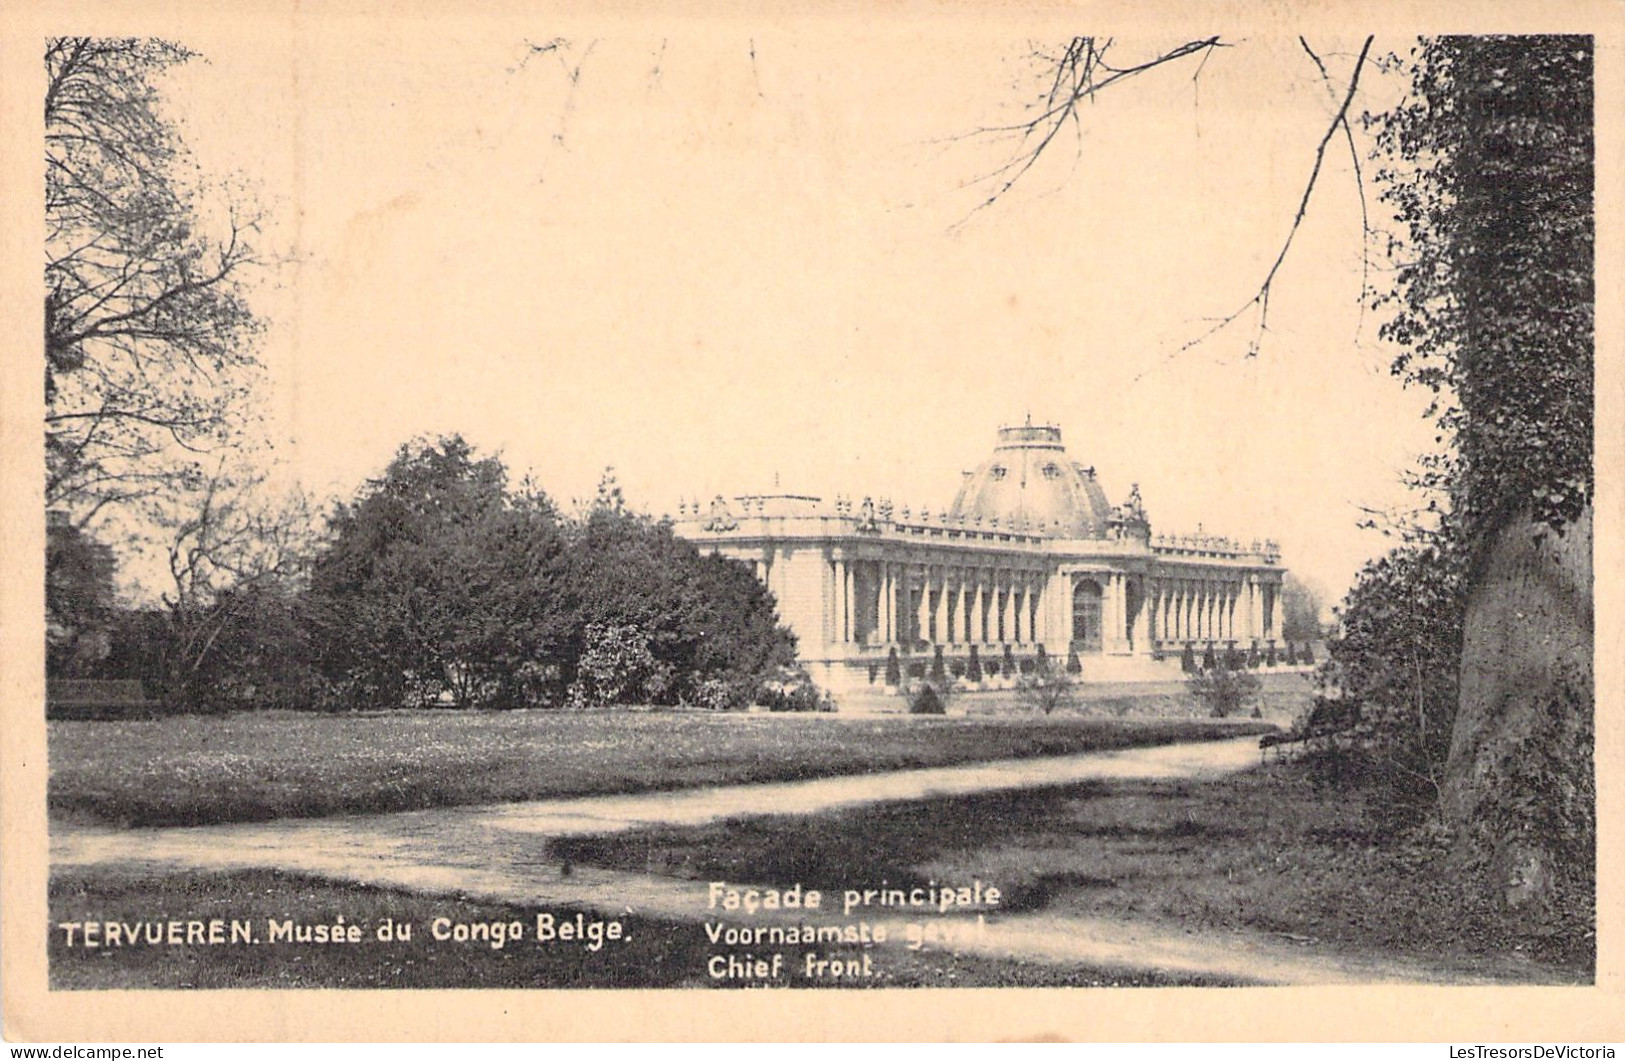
<point x="1455" y="1014"/>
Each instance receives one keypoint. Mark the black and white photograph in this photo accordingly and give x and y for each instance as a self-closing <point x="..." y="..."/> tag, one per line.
<point x="939" y="502"/>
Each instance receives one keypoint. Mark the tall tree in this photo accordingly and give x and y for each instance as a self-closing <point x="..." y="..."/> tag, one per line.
<point x="148" y="335"/>
<point x="1490" y="166"/>
<point x="703" y="617"/>
<point x="437" y="582"/>
<point x="233" y="548"/>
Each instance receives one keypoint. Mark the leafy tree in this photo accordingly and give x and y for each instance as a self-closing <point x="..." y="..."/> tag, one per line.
<point x="148" y="335"/>
<point x="79" y="598"/>
<point x="1301" y="604"/>
<point x="232" y="550"/>
<point x="704" y="616"/>
<point x="435" y="582"/>
<point x="264" y="652"/>
<point x="1490" y="167"/>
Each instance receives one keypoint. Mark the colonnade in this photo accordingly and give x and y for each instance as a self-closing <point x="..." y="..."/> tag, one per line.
<point x="881" y="602"/>
<point x="902" y="602"/>
<point x="1215" y="608"/>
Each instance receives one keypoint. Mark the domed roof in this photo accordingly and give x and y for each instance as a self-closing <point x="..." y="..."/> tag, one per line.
<point x="1030" y="482"/>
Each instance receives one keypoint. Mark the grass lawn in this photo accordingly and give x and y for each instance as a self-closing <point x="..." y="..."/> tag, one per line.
<point x="1265" y="850"/>
<point x="656" y="953"/>
<point x="201" y="769"/>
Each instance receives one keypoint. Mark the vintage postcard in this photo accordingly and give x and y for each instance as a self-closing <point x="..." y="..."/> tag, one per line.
<point x="889" y="521"/>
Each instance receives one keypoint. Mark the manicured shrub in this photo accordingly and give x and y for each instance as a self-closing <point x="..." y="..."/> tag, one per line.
<point x="973" y="667"/>
<point x="894" y="672"/>
<point x="794" y="691"/>
<point x="939" y="671"/>
<point x="1187" y="659"/>
<point x="1209" y="661"/>
<point x="1074" y="666"/>
<point x="927" y="701"/>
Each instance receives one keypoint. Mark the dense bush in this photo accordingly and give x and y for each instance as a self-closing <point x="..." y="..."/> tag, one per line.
<point x="793" y="690"/>
<point x="1398" y="660"/>
<point x="1047" y="691"/>
<point x="1222" y="691"/>
<point x="616" y="667"/>
<point x="927" y="701"/>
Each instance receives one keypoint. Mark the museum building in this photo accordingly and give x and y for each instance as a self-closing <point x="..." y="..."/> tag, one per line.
<point x="1031" y="553"/>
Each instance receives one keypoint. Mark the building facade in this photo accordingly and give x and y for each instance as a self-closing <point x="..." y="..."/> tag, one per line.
<point x="1031" y="553"/>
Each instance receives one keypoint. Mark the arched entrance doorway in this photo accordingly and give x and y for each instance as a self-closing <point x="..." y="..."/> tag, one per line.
<point x="1086" y="632"/>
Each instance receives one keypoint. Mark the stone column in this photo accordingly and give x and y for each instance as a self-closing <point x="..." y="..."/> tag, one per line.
<point x="883" y="605"/>
<point x="962" y="617"/>
<point x="1142" y="621"/>
<point x="933" y="605"/>
<point x="849" y="597"/>
<point x="1111" y="615"/>
<point x="922" y="611"/>
<point x="1276" y="619"/>
<point x="832" y="596"/>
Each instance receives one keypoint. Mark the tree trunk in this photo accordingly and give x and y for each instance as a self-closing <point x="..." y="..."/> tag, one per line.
<point x="1519" y="792"/>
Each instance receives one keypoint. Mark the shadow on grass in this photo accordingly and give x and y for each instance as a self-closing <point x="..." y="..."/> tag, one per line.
<point x="1265" y="851"/>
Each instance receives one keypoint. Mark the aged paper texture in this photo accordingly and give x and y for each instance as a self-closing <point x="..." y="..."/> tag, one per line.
<point x="1037" y="365"/>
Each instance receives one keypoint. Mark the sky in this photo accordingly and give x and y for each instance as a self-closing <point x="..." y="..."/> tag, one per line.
<point x="726" y="258"/>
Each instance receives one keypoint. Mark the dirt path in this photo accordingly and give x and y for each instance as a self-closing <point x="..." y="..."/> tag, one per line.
<point x="499" y="853"/>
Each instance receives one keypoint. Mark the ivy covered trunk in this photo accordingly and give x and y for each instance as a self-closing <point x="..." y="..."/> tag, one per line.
<point x="1519" y="790"/>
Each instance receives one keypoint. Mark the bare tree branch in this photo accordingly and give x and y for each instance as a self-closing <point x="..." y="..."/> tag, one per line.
<point x="1261" y="298"/>
<point x="1081" y="73"/>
